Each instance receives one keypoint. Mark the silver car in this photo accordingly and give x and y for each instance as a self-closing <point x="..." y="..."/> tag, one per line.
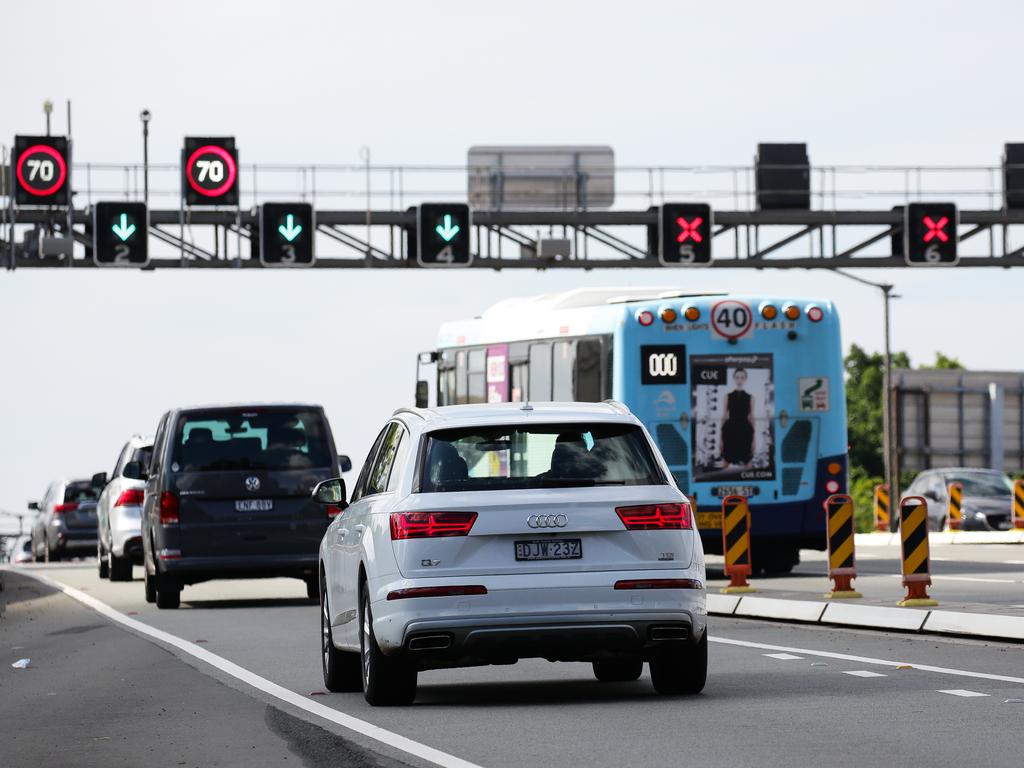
<point x="987" y="497"/>
<point x="119" y="511"/>
<point x="66" y="524"/>
<point x="485" y="534"/>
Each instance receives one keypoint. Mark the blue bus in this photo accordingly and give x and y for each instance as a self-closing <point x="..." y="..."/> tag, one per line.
<point x="743" y="394"/>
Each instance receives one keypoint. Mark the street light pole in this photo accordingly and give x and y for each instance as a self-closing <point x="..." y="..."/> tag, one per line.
<point x="47" y="109"/>
<point x="145" y="116"/>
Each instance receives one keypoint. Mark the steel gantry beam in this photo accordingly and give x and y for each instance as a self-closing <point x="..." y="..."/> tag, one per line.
<point x="509" y="239"/>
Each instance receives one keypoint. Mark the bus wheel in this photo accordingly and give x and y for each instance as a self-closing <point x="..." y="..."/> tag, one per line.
<point x="777" y="561"/>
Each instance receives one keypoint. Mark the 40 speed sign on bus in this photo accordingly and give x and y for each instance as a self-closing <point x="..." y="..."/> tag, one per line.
<point x="731" y="319"/>
<point x="209" y="169"/>
<point x="42" y="170"/>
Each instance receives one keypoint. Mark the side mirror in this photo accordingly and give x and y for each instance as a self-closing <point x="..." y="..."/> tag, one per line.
<point x="34" y="505"/>
<point x="344" y="462"/>
<point x="422" y="394"/>
<point x="331" y="493"/>
<point x="134" y="470"/>
<point x="99" y="480"/>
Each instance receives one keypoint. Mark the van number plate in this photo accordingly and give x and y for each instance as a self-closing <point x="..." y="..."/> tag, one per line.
<point x="254" y="505"/>
<point x="549" y="549"/>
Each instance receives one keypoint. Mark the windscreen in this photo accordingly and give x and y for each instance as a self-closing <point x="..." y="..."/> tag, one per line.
<point x="984" y="484"/>
<point x="241" y="439"/>
<point x="79" y="491"/>
<point x="537" y="456"/>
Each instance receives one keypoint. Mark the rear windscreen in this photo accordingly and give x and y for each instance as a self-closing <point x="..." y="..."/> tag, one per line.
<point x="224" y="440"/>
<point x="80" y="490"/>
<point x="537" y="456"/>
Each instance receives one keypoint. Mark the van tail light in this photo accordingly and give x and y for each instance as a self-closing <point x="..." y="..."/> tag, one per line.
<point x="70" y="506"/>
<point x="428" y="525"/>
<point x="656" y="517"/>
<point x="168" y="508"/>
<point x="133" y="497"/>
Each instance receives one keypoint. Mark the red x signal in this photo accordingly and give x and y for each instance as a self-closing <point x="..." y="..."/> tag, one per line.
<point x="936" y="229"/>
<point x="689" y="230"/>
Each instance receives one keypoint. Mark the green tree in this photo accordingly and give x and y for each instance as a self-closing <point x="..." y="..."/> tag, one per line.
<point x="865" y="374"/>
<point x="945" y="363"/>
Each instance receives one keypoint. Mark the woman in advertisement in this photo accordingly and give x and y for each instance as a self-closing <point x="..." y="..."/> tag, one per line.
<point x="738" y="423"/>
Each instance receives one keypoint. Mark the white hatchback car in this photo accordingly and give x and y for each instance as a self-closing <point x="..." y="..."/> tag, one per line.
<point x="483" y="534"/>
<point x="119" y="511"/>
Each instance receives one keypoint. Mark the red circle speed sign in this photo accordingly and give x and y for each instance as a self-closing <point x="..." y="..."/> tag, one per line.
<point x="41" y="170"/>
<point x="211" y="171"/>
<point x="731" y="319"/>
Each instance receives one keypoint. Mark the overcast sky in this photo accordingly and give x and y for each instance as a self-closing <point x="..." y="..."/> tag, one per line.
<point x="89" y="358"/>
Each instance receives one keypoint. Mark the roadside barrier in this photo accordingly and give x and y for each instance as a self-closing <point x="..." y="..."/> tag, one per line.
<point x="736" y="543"/>
<point x="955" y="506"/>
<point x="917" y="574"/>
<point x="841" y="566"/>
<point x="1018" y="503"/>
<point x="882" y="507"/>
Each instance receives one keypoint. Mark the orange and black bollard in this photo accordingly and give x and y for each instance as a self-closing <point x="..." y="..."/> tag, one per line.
<point x="1018" y="503"/>
<point x="917" y="574"/>
<point x="736" y="543"/>
<point x="882" y="507"/>
<point x="842" y="568"/>
<point x="955" y="506"/>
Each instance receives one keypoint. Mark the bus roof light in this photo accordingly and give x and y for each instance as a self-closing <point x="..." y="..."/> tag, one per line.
<point x="815" y="314"/>
<point x="668" y="315"/>
<point x="769" y="312"/>
<point x="691" y="313"/>
<point x="791" y="311"/>
<point x="645" y="317"/>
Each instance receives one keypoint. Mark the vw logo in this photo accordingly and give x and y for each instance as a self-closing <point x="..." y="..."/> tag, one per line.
<point x="547" y="521"/>
<point x="252" y="483"/>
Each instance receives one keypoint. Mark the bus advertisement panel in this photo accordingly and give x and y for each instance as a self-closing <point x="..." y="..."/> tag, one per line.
<point x="733" y="417"/>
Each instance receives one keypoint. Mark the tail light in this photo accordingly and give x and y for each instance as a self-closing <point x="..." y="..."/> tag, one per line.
<point x="471" y="589"/>
<point x="656" y="517"/>
<point x="133" y="497"/>
<point x="428" y="525"/>
<point x="70" y="506"/>
<point x="333" y="510"/>
<point x="168" y="508"/>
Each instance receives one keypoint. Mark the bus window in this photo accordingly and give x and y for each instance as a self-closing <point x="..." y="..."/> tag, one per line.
<point x="460" y="377"/>
<point x="477" y="379"/>
<point x="588" y="371"/>
<point x="540" y="372"/>
<point x="518" y="392"/>
<point x="562" y="370"/>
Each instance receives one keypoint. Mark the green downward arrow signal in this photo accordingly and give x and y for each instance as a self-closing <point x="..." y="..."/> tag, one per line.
<point x="289" y="230"/>
<point x="124" y="230"/>
<point x="448" y="230"/>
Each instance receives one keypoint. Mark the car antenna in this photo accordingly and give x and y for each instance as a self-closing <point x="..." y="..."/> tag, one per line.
<point x="526" y="405"/>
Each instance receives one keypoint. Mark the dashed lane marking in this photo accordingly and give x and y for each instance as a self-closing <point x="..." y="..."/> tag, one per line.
<point x="866" y="660"/>
<point x="862" y="673"/>
<point x="964" y="694"/>
<point x="384" y="736"/>
<point x="783" y="656"/>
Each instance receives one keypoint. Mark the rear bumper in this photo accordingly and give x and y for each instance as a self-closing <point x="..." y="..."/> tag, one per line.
<point x="561" y="617"/>
<point x="71" y="540"/>
<point x="192" y="570"/>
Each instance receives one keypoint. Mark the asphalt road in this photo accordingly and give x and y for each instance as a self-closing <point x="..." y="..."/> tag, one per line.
<point x="778" y="695"/>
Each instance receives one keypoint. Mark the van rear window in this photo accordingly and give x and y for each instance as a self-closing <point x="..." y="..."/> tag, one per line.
<point x="240" y="439"/>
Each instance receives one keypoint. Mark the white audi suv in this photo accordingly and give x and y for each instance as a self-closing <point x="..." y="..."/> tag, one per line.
<point x="484" y="534"/>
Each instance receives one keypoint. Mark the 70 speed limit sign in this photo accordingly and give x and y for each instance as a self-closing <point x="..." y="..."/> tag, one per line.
<point x="209" y="168"/>
<point x="42" y="170"/>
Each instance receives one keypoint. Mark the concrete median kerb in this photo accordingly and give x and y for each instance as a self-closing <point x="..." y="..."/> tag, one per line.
<point x="960" y="623"/>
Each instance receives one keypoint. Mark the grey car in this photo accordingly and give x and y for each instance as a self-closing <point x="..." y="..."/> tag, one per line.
<point x="987" y="497"/>
<point x="66" y="524"/>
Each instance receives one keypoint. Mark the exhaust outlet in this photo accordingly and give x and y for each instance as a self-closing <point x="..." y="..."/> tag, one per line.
<point x="430" y="643"/>
<point x="669" y="633"/>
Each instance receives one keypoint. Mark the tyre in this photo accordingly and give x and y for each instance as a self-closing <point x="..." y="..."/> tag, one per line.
<point x="387" y="681"/>
<point x="618" y="671"/>
<point x="313" y="590"/>
<point x="120" y="568"/>
<point x="168" y="593"/>
<point x="342" y="669"/>
<point x="101" y="562"/>
<point x="683" y="670"/>
<point x="150" y="587"/>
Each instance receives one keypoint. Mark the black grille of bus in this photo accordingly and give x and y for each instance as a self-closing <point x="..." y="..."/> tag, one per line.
<point x="796" y="442"/>
<point x="672" y="445"/>
<point x="791" y="480"/>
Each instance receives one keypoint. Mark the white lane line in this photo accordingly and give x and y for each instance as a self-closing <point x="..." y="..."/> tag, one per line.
<point x="963" y="693"/>
<point x="965" y="578"/>
<point x="782" y="656"/>
<point x="1014" y="562"/>
<point x="866" y="660"/>
<point x="402" y="743"/>
<point x="862" y="673"/>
